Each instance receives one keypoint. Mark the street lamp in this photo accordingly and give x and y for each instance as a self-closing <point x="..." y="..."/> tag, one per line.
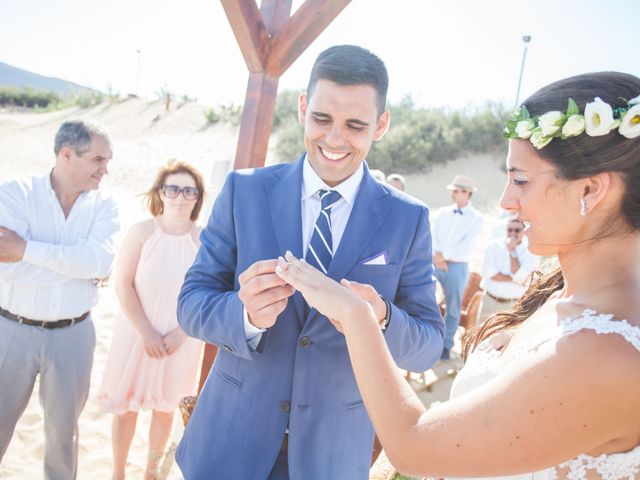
<point x="526" y="39"/>
<point x="138" y="52"/>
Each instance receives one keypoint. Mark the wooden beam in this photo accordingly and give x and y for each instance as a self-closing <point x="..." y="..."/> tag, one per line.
<point x="302" y="28"/>
<point x="275" y="14"/>
<point x="250" y="32"/>
<point x="257" y="119"/>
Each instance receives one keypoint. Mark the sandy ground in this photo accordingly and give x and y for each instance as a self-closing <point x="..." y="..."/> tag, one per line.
<point x="145" y="137"/>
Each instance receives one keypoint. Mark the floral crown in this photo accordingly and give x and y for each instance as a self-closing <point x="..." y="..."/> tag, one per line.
<point x="599" y="118"/>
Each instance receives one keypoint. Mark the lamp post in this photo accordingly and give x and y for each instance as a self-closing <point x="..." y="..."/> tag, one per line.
<point x="526" y="39"/>
<point x="138" y="52"/>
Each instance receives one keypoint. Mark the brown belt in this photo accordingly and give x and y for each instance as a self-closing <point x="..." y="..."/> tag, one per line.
<point x="501" y="300"/>
<point x="43" y="323"/>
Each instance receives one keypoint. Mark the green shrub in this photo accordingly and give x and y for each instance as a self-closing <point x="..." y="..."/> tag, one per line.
<point x="212" y="116"/>
<point x="27" y="97"/>
<point x="230" y="114"/>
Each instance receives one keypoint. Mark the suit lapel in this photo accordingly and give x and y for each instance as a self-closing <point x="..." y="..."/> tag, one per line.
<point x="286" y="216"/>
<point x="368" y="213"/>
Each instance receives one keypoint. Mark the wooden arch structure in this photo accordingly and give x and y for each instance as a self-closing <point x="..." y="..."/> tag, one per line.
<point x="270" y="40"/>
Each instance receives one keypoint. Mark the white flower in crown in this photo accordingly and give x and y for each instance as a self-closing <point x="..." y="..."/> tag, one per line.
<point x="598" y="117"/>
<point x="630" y="123"/>
<point x="550" y="122"/>
<point x="524" y="128"/>
<point x="539" y="140"/>
<point x="574" y="126"/>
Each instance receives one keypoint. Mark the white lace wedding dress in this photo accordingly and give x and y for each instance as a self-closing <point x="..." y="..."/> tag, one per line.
<point x="485" y="363"/>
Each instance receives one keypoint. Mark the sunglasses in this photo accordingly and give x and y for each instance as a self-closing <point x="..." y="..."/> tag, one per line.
<point x="514" y="230"/>
<point x="173" y="191"/>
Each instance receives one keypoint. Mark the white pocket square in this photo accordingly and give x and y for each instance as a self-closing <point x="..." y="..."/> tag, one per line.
<point x="378" y="259"/>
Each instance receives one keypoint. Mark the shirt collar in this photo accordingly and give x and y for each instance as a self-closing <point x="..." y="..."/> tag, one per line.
<point x="311" y="183"/>
<point x="464" y="209"/>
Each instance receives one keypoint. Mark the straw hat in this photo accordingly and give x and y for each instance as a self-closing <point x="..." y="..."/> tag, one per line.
<point x="463" y="183"/>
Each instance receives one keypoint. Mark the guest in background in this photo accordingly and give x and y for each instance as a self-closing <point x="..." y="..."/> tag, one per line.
<point x="396" y="180"/>
<point x="378" y="175"/>
<point x="152" y="363"/>
<point x="56" y="241"/>
<point x="507" y="265"/>
<point x="455" y="232"/>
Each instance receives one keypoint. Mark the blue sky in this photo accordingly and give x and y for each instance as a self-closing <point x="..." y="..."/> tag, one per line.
<point x="443" y="53"/>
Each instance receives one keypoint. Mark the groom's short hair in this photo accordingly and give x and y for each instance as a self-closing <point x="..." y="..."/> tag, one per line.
<point x="351" y="65"/>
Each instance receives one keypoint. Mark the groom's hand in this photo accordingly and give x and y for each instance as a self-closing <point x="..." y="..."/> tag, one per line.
<point x="263" y="293"/>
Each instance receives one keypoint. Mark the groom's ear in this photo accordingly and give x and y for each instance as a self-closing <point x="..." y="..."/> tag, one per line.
<point x="382" y="125"/>
<point x="302" y="107"/>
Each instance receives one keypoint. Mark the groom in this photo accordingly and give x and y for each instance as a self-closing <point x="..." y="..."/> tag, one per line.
<point x="281" y="400"/>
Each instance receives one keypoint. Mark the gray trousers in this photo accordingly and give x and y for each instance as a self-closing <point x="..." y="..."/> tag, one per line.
<point x="63" y="358"/>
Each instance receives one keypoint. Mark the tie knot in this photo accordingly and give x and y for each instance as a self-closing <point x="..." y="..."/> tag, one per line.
<point x="328" y="198"/>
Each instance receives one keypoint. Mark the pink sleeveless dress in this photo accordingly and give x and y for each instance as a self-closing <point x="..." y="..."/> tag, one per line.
<point x="132" y="379"/>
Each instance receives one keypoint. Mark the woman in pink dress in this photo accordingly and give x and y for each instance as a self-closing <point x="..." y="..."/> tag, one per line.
<point x="152" y="363"/>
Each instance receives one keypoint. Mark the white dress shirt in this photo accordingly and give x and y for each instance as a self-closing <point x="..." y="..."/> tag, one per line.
<point x="56" y="278"/>
<point x="455" y="235"/>
<point x="498" y="260"/>
<point x="311" y="206"/>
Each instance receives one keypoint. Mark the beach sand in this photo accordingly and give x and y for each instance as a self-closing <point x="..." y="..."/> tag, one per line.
<point x="145" y="136"/>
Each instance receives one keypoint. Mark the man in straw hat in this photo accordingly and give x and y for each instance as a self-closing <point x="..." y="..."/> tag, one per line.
<point x="455" y="230"/>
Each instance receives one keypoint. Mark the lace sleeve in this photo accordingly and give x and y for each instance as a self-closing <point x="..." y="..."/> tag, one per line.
<point x="588" y="320"/>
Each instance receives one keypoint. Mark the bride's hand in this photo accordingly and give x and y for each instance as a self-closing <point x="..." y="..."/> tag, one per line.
<point x="337" y="301"/>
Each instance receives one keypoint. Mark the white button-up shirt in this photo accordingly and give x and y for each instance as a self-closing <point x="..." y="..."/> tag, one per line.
<point x="498" y="260"/>
<point x="455" y="235"/>
<point x="311" y="206"/>
<point x="56" y="278"/>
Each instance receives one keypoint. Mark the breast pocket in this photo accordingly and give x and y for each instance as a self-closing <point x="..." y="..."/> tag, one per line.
<point x="359" y="272"/>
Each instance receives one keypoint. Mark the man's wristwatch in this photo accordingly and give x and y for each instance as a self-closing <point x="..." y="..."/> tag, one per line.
<point x="387" y="316"/>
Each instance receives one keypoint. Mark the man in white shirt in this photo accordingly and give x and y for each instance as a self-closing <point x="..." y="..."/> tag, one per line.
<point x="56" y="242"/>
<point x="507" y="265"/>
<point x="456" y="230"/>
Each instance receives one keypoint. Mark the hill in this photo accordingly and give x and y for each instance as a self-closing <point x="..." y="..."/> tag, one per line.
<point x="17" y="77"/>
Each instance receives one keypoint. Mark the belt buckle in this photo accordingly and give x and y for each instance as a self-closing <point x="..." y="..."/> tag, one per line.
<point x="20" y="319"/>
<point x="72" y="322"/>
<point x="42" y="322"/>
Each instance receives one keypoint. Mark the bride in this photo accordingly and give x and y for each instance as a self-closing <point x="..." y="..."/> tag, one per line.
<point x="551" y="388"/>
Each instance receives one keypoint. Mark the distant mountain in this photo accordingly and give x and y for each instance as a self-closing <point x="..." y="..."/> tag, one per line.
<point x="17" y="77"/>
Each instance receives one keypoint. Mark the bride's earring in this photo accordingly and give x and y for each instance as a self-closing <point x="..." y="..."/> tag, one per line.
<point x="583" y="207"/>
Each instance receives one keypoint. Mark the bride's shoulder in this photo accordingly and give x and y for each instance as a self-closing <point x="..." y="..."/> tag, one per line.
<point x="598" y="334"/>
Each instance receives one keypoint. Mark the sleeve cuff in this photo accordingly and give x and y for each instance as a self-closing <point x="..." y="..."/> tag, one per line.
<point x="35" y="253"/>
<point x="250" y="331"/>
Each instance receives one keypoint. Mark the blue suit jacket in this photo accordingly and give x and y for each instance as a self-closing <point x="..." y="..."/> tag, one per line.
<point x="250" y="397"/>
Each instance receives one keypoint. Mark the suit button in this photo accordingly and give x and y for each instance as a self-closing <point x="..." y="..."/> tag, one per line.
<point x="227" y="348"/>
<point x="284" y="406"/>
<point x="305" y="342"/>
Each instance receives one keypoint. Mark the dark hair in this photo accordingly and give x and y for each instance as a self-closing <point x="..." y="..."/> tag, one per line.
<point x="351" y="65"/>
<point x="515" y="220"/>
<point x="152" y="197"/>
<point x="577" y="157"/>
<point x="397" y="177"/>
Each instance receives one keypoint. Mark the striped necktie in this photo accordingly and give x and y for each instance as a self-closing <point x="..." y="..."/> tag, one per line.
<point x="320" y="249"/>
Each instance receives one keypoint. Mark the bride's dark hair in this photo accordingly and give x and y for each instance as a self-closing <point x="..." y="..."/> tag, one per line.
<point x="574" y="158"/>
